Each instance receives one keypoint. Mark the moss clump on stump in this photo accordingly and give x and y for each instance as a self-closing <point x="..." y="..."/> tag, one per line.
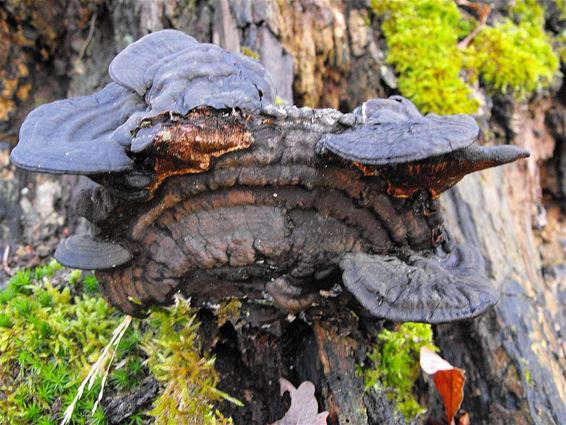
<point x="188" y="377"/>
<point x="513" y="56"/>
<point x="422" y="44"/>
<point x="516" y="56"/>
<point x="395" y="366"/>
<point x="48" y="339"/>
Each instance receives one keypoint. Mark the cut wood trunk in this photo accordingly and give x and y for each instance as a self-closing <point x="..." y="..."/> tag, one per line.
<point x="320" y="55"/>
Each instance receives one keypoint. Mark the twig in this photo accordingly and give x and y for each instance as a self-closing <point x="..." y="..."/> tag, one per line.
<point x="91" y="28"/>
<point x="78" y="65"/>
<point x="6" y="261"/>
<point x="483" y="11"/>
<point x="466" y="41"/>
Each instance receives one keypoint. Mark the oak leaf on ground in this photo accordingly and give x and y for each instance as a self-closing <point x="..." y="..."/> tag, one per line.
<point x="304" y="407"/>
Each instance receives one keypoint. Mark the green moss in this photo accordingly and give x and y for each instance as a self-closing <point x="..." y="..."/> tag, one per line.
<point x="395" y="365"/>
<point x="526" y="372"/>
<point x="250" y="53"/>
<point x="74" y="277"/>
<point x="5" y="321"/>
<point x="229" y="311"/>
<point x="528" y="377"/>
<point x="422" y="38"/>
<point x="514" y="56"/>
<point x="90" y="284"/>
<point x="130" y="370"/>
<point x="47" y="270"/>
<point x="188" y="376"/>
<point x="49" y="339"/>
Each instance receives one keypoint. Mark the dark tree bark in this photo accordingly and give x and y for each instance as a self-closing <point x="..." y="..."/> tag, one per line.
<point x="319" y="55"/>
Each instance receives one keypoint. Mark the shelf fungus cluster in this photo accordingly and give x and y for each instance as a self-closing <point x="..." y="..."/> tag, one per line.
<point x="203" y="185"/>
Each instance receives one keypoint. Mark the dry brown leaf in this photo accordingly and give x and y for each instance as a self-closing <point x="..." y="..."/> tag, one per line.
<point x="449" y="380"/>
<point x="304" y="407"/>
<point x="464" y="419"/>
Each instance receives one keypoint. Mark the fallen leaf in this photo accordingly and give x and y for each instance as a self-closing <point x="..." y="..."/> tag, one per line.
<point x="304" y="407"/>
<point x="464" y="419"/>
<point x="449" y="380"/>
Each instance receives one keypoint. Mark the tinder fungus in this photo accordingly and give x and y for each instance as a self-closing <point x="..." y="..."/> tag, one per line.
<point x="204" y="186"/>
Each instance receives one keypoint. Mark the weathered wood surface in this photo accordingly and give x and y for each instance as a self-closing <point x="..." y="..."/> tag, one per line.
<point x="515" y="356"/>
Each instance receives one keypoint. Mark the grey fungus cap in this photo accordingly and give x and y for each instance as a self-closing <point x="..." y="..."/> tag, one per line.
<point x="129" y="66"/>
<point x="86" y="253"/>
<point x="431" y="290"/>
<point x="393" y="131"/>
<point x="166" y="71"/>
<point x="175" y="73"/>
<point x="83" y="135"/>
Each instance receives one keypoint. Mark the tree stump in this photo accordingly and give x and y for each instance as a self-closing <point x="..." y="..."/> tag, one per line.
<point x="320" y="55"/>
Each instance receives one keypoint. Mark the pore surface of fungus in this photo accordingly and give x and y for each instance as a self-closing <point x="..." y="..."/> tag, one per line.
<point x="204" y="186"/>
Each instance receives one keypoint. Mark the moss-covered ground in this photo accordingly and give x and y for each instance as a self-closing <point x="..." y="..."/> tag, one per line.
<point x="54" y="326"/>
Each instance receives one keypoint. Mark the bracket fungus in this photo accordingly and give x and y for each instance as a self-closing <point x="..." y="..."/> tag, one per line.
<point x="204" y="186"/>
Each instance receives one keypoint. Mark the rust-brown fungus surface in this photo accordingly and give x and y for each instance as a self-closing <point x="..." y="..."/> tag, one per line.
<point x="183" y="145"/>
<point x="205" y="187"/>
